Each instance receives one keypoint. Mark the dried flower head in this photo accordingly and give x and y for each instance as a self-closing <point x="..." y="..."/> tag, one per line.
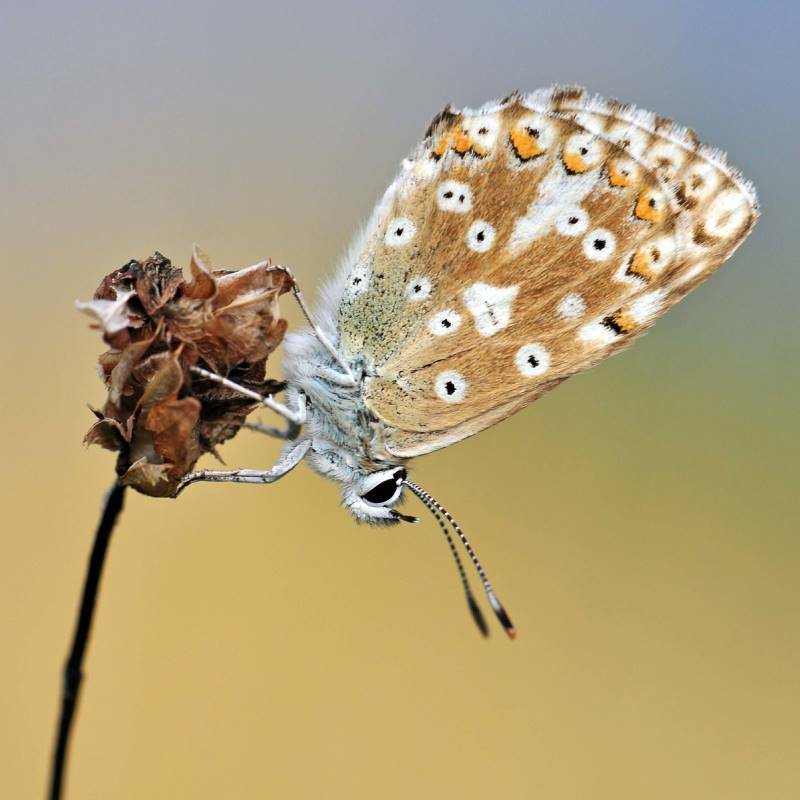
<point x="158" y="416"/>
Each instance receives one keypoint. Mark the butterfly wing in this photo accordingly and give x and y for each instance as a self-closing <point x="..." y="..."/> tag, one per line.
<point x="522" y="243"/>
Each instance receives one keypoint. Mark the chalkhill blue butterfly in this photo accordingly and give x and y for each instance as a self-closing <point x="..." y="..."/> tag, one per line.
<point x="521" y="243"/>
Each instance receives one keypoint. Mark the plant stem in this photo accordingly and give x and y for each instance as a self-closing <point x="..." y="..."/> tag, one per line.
<point x="73" y="673"/>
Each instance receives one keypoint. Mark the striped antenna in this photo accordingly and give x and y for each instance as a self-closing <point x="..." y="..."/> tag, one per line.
<point x="474" y="608"/>
<point x="437" y="508"/>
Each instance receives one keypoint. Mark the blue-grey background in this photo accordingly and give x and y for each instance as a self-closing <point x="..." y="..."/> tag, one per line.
<point x="640" y="522"/>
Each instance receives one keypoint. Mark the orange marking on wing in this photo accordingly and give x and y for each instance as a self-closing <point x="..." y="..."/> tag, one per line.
<point x="461" y="142"/>
<point x="621" y="322"/>
<point x="575" y="162"/>
<point x="618" y="175"/>
<point x="647" y="207"/>
<point x="441" y="147"/>
<point x="640" y="265"/>
<point x="525" y="145"/>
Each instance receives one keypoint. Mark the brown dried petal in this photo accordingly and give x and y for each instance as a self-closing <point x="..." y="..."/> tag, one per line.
<point x="108" y="433"/>
<point x="122" y="370"/>
<point x="246" y="324"/>
<point x="150" y="479"/>
<point x="202" y="286"/>
<point x="171" y="424"/>
<point x="164" y="385"/>
<point x="159" y="416"/>
<point x="259" y="277"/>
<point x="157" y="283"/>
<point x="113" y="315"/>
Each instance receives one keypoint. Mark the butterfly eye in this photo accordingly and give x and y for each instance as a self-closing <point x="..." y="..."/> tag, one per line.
<point x="400" y="231"/>
<point x="454" y="196"/>
<point x="599" y="244"/>
<point x="573" y="221"/>
<point x="382" y="493"/>
<point x="480" y="236"/>
<point x="386" y="491"/>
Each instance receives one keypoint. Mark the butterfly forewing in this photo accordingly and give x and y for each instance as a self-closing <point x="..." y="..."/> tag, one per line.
<point x="522" y="243"/>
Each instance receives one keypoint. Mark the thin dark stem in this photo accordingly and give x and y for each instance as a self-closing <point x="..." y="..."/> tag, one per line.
<point x="73" y="667"/>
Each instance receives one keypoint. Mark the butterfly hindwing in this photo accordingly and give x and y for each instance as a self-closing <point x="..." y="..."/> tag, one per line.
<point x="523" y="243"/>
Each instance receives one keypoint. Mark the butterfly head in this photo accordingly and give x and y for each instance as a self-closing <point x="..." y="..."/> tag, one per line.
<point x="371" y="497"/>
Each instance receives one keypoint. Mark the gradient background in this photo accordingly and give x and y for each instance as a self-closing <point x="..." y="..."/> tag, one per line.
<point x="640" y="523"/>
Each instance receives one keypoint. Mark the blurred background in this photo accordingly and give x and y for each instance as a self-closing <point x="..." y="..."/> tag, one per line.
<point x="640" y="523"/>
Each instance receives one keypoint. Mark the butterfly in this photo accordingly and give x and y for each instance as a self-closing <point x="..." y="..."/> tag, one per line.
<point x="521" y="243"/>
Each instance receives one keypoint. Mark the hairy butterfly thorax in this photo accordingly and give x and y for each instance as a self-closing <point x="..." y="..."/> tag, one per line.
<point x="345" y="438"/>
<point x="521" y="243"/>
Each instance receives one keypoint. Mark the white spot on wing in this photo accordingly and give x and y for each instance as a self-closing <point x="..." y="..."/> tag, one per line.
<point x="587" y="147"/>
<point x="595" y="333"/>
<point x="626" y="168"/>
<point x="572" y="221"/>
<point x="454" y="196"/>
<point x="399" y="231"/>
<point x="358" y="281"/>
<point x="572" y="307"/>
<point x="557" y="191"/>
<point x="647" y="306"/>
<point x="418" y="289"/>
<point x="700" y="180"/>
<point x="629" y="136"/>
<point x="592" y="122"/>
<point x="445" y="322"/>
<point x="665" y="158"/>
<point x="532" y="360"/>
<point x="480" y="236"/>
<point x="599" y="244"/>
<point x="482" y="130"/>
<point x="539" y="127"/>
<point x="726" y="214"/>
<point x="691" y="272"/>
<point x="450" y="386"/>
<point x="490" y="305"/>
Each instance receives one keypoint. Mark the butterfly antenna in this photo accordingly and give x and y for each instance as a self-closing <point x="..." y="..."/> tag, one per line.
<point x="474" y="608"/>
<point x="436" y="509"/>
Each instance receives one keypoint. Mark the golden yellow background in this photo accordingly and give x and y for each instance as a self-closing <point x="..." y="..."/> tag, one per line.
<point x="640" y="523"/>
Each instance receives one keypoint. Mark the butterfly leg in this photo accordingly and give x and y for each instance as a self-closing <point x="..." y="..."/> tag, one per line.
<point x="346" y="377"/>
<point x="289" y="433"/>
<point x="291" y="456"/>
<point x="295" y="417"/>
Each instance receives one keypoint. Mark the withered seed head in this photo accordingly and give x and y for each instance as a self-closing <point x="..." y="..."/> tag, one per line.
<point x="157" y="415"/>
